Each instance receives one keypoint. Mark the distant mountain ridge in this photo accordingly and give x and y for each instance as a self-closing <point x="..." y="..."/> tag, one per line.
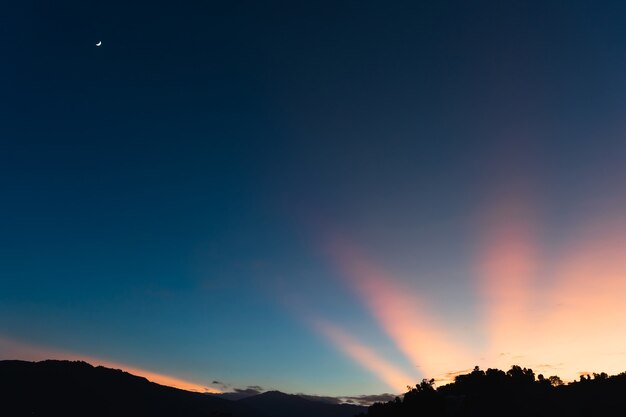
<point x="279" y="404"/>
<point x="64" y="388"/>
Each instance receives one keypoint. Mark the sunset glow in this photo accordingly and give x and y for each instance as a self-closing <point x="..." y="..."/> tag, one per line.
<point x="10" y="348"/>
<point x="331" y="198"/>
<point x="572" y="324"/>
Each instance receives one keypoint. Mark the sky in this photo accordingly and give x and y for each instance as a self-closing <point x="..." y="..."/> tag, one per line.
<point x="334" y="198"/>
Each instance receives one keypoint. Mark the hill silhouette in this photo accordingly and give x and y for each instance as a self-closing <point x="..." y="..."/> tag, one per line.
<point x="278" y="404"/>
<point x="517" y="392"/>
<point x="65" y="388"/>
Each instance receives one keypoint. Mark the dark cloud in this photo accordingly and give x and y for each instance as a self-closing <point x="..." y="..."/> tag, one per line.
<point x="367" y="400"/>
<point x="362" y="400"/>
<point x="452" y="375"/>
<point x="322" y="399"/>
<point x="239" y="393"/>
<point x="257" y="388"/>
<point x="550" y="366"/>
<point x="222" y="385"/>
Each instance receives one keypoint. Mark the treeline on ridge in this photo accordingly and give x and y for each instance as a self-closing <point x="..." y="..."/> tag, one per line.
<point x="517" y="392"/>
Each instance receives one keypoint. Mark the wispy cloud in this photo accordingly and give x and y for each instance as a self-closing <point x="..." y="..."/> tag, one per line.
<point x="239" y="393"/>
<point x="321" y="398"/>
<point x="449" y="376"/>
<point x="367" y="400"/>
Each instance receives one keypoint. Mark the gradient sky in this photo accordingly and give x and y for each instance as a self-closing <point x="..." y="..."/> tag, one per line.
<point x="336" y="198"/>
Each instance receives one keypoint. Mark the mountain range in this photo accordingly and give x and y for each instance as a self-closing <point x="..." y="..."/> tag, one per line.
<point x="67" y="388"/>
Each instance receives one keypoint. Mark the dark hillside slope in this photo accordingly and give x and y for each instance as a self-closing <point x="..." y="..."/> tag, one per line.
<point x="71" y="389"/>
<point x="64" y="388"/>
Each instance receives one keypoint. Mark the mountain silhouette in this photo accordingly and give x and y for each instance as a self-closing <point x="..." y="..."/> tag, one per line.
<point x="278" y="404"/>
<point x="65" y="388"/>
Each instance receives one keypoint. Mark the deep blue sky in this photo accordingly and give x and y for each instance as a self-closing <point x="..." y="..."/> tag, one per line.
<point x="173" y="200"/>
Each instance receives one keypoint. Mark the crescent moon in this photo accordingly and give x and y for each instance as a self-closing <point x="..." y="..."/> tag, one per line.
<point x="99" y="43"/>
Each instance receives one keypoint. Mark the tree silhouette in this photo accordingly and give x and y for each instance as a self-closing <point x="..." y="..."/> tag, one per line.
<point x="555" y="381"/>
<point x="516" y="392"/>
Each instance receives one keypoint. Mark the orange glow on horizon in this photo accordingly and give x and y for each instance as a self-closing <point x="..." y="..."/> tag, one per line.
<point x="587" y="318"/>
<point x="559" y="316"/>
<point x="12" y="349"/>
<point x="576" y="318"/>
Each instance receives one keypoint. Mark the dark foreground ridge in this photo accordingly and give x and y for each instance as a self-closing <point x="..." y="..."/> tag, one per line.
<point x="65" y="388"/>
<point x="517" y="392"/>
<point x="68" y="389"/>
